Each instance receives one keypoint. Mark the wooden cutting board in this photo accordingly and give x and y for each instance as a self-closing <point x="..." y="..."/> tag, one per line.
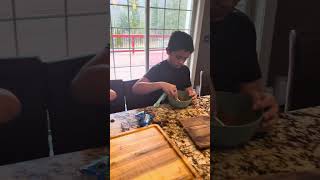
<point x="198" y="129"/>
<point x="147" y="153"/>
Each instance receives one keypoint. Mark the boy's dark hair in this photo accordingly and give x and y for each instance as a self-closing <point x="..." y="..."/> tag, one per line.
<point x="180" y="41"/>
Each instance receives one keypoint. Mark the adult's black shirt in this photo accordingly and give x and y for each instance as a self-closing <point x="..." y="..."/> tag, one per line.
<point x="234" y="52"/>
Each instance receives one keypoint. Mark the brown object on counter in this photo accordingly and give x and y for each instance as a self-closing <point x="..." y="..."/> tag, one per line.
<point x="198" y="129"/>
<point x="147" y="153"/>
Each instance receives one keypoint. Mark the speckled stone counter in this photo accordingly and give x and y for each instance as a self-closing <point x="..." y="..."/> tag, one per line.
<point x="168" y="117"/>
<point x="64" y="166"/>
<point x="292" y="145"/>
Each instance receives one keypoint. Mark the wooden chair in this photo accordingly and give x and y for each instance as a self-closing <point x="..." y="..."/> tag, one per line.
<point x="134" y="101"/>
<point x="74" y="126"/>
<point x="118" y="104"/>
<point x="205" y="83"/>
<point x="25" y="137"/>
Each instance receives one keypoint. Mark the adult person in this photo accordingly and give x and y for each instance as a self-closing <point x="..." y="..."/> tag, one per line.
<point x="235" y="66"/>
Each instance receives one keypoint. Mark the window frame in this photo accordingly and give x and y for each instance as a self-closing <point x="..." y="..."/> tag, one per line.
<point x="147" y="48"/>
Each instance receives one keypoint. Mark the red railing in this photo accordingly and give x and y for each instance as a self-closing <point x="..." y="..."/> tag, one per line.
<point x="133" y="37"/>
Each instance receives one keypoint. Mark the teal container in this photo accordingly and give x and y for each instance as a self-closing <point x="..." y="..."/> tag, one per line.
<point x="184" y="98"/>
<point x="241" y="122"/>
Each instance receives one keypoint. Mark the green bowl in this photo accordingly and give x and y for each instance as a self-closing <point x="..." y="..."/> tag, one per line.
<point x="241" y="122"/>
<point x="184" y="98"/>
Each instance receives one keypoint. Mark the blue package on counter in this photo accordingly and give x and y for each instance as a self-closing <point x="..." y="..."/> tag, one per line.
<point x="140" y="115"/>
<point x="144" y="118"/>
<point x="98" y="168"/>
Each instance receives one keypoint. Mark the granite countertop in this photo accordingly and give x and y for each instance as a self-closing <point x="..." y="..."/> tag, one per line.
<point x="64" y="166"/>
<point x="168" y="117"/>
<point x="299" y="175"/>
<point x="292" y="145"/>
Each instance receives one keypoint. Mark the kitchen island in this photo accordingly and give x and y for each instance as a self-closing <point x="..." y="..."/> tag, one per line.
<point x="168" y="117"/>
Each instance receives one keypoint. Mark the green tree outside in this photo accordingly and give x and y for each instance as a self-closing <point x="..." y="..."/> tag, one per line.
<point x="173" y="19"/>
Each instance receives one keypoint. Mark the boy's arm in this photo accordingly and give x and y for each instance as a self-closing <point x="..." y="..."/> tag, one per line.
<point x="144" y="86"/>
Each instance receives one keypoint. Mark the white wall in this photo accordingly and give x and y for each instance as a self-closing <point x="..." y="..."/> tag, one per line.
<point x="201" y="55"/>
<point x="244" y="6"/>
<point x="52" y="29"/>
<point x="263" y="14"/>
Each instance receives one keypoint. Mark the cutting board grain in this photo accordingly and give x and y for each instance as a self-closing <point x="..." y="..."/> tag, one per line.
<point x="198" y="129"/>
<point x="147" y="153"/>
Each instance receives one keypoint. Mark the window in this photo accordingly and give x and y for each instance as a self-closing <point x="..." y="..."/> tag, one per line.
<point x="127" y="53"/>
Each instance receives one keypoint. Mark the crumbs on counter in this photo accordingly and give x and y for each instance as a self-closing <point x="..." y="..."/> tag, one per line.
<point x="291" y="145"/>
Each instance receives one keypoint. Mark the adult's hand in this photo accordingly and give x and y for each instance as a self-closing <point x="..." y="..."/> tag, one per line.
<point x="262" y="101"/>
<point x="191" y="92"/>
<point x="267" y="103"/>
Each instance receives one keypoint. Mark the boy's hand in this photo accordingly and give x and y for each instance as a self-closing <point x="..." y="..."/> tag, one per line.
<point x="170" y="89"/>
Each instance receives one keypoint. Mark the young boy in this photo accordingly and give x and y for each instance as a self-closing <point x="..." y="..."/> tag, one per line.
<point x="170" y="75"/>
